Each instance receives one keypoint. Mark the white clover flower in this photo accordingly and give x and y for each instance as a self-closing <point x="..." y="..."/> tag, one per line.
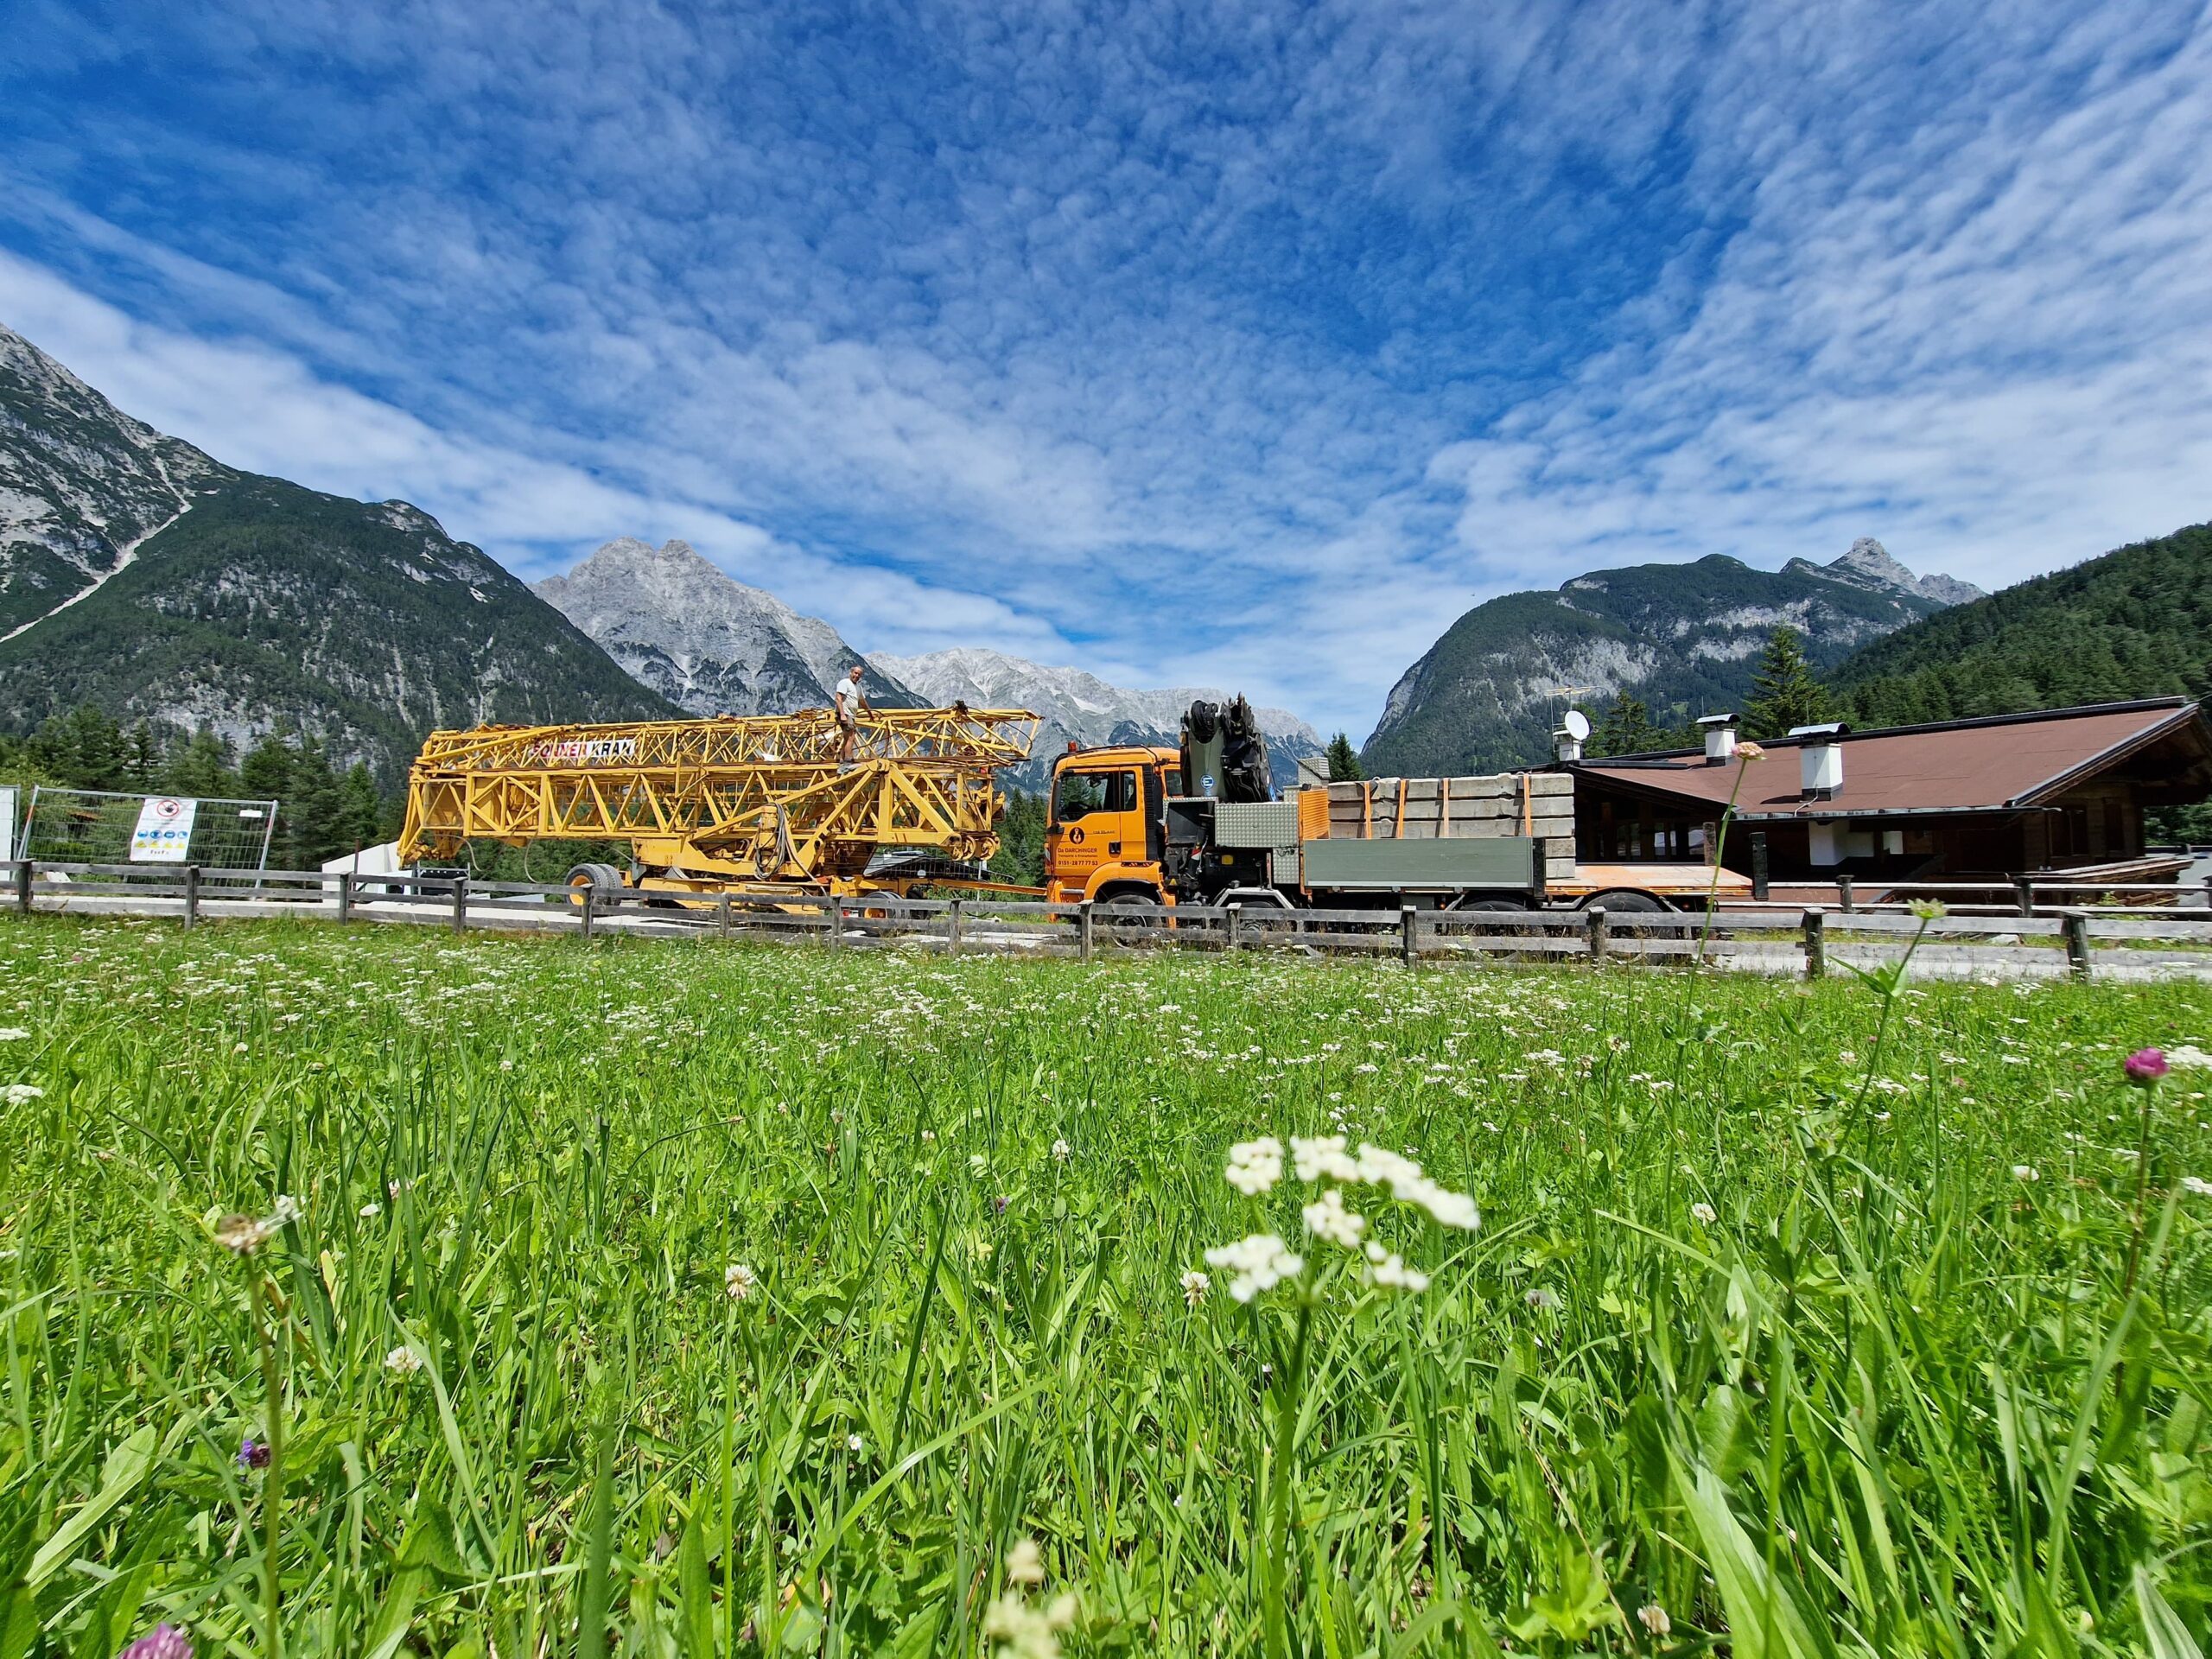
<point x="1704" y="1213"/>
<point x="2026" y="1172"/>
<point x="403" y="1361"/>
<point x="1654" y="1618"/>
<point x="739" y="1281"/>
<point x="1327" y="1218"/>
<point x="1322" y="1157"/>
<point x="21" y="1094"/>
<point x="2198" y="1184"/>
<point x="1062" y="1151"/>
<point x="1195" y="1285"/>
<point x="1255" y="1166"/>
<point x="286" y="1210"/>
<point x="1260" y="1260"/>
<point x="13" y="1034"/>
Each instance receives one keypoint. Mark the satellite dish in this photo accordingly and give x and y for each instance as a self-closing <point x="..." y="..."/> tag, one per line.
<point x="1576" y="724"/>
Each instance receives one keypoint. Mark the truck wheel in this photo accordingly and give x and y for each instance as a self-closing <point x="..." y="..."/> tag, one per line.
<point x="1622" y="906"/>
<point x="1117" y="908"/>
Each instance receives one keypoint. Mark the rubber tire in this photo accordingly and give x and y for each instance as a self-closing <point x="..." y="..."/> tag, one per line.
<point x="1125" y="900"/>
<point x="604" y="880"/>
<point x="1623" y="905"/>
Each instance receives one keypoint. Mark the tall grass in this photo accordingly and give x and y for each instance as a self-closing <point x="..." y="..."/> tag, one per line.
<point x="1891" y="1398"/>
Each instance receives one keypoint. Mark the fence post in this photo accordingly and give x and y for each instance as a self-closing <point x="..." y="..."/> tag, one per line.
<point x="1843" y="892"/>
<point x="191" y="896"/>
<point x="24" y="886"/>
<point x="722" y="918"/>
<point x="1408" y="935"/>
<point x="1816" y="945"/>
<point x="2026" y="890"/>
<point x="833" y="922"/>
<point x="1083" y="939"/>
<point x="952" y="927"/>
<point x="1759" y="866"/>
<point x="1600" y="937"/>
<point x="1236" y="927"/>
<point x="2076" y="929"/>
<point x="591" y="906"/>
<point x="2207" y="895"/>
<point x="345" y="897"/>
<point x="460" y="903"/>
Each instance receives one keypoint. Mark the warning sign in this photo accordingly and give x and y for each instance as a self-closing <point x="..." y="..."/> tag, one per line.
<point x="164" y="831"/>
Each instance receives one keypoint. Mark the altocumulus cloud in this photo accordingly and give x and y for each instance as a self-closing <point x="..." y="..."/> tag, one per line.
<point x="1194" y="343"/>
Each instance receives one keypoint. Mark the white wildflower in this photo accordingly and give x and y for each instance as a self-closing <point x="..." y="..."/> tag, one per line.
<point x="1315" y="1158"/>
<point x="21" y="1094"/>
<point x="1654" y="1618"/>
<point x="402" y="1360"/>
<point x="1260" y="1260"/>
<point x="13" y="1034"/>
<point x="2187" y="1054"/>
<point x="1062" y="1151"/>
<point x="2198" y="1184"/>
<point x="738" y="1280"/>
<point x="853" y="1443"/>
<point x="1704" y="1213"/>
<point x="2026" y="1172"/>
<point x="1025" y="1564"/>
<point x="1195" y="1285"/>
<point x="1327" y="1218"/>
<point x="371" y="1211"/>
<point x="1255" y="1167"/>
<point x="1387" y="1270"/>
<point x="1014" y="1629"/>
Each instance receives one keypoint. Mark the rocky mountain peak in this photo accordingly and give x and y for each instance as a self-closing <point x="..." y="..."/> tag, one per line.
<point x="1867" y="564"/>
<point x="703" y="640"/>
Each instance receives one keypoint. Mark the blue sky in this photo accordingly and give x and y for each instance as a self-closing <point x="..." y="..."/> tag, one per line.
<point x="1239" y="344"/>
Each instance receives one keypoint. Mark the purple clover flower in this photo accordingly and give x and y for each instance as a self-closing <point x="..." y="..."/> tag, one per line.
<point x="162" y="1642"/>
<point x="253" y="1453"/>
<point x="2145" y="1066"/>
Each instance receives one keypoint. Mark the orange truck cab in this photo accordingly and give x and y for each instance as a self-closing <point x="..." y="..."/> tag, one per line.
<point x="1106" y="837"/>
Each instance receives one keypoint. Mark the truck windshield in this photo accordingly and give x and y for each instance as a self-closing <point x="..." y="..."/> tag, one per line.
<point x="1081" y="793"/>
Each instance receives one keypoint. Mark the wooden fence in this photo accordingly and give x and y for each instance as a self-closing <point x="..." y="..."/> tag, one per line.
<point x="2103" y="941"/>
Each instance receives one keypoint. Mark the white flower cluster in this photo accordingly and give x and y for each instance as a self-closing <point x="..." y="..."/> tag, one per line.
<point x="1260" y="1260"/>
<point x="1013" y="1629"/>
<point x="1324" y="1157"/>
<point x="21" y="1094"/>
<point x="1388" y="1269"/>
<point x="1327" y="1218"/>
<point x="2188" y="1054"/>
<point x="403" y="1361"/>
<point x="738" y="1280"/>
<point x="1255" y="1165"/>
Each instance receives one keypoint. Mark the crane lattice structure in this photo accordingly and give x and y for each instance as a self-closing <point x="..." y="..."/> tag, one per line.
<point x="733" y="803"/>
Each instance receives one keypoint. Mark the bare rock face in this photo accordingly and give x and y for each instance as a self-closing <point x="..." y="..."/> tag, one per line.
<point x="1081" y="707"/>
<point x="1868" y="565"/>
<point x="704" y="641"/>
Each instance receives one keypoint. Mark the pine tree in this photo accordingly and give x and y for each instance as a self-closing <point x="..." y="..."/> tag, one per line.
<point x="84" y="749"/>
<point x="1626" y="730"/>
<point x="1784" y="690"/>
<point x="314" y="808"/>
<point x="202" y="769"/>
<point x="1344" y="761"/>
<point x="142" y="761"/>
<point x="361" y="811"/>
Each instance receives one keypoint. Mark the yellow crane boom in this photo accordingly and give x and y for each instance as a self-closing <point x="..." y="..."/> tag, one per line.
<point x="757" y="803"/>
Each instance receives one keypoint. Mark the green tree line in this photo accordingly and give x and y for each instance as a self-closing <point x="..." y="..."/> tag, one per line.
<point x="321" y="811"/>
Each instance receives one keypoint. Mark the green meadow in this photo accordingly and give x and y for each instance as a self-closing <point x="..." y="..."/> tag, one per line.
<point x="370" y="1293"/>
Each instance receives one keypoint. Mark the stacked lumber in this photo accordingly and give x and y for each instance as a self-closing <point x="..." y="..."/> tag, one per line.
<point x="1537" y="803"/>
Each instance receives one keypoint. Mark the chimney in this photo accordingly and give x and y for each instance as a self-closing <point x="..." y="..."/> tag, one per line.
<point x="1820" y="760"/>
<point x="1719" y="739"/>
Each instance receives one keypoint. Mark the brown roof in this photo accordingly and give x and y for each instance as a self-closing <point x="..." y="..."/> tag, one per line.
<point x="2009" y="761"/>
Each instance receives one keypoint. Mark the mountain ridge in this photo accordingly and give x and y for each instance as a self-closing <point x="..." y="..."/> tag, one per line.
<point x="1683" y="637"/>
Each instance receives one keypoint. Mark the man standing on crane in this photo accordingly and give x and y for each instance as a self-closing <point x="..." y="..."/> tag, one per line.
<point x="848" y="701"/>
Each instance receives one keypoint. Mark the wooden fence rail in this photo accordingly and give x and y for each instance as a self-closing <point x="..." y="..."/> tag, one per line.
<point x="1767" y="938"/>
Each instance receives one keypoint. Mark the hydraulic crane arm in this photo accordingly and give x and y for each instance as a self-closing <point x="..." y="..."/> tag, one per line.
<point x="708" y="803"/>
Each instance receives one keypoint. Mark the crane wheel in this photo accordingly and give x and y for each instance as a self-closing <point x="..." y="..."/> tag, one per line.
<point x="604" y="880"/>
